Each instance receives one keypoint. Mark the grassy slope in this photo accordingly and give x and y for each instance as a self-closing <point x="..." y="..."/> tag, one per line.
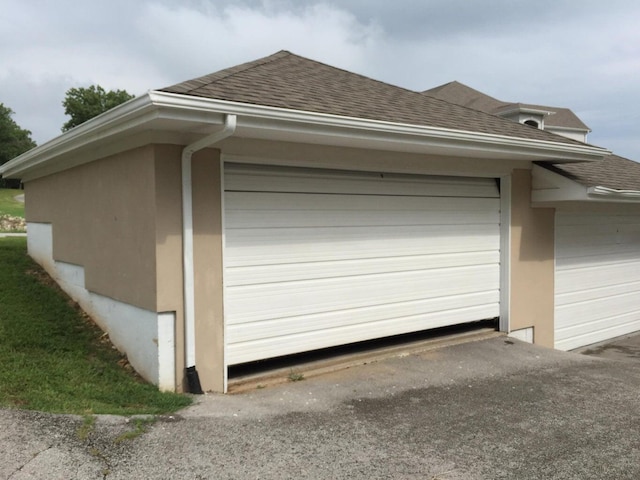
<point x="8" y="204"/>
<point x="51" y="357"/>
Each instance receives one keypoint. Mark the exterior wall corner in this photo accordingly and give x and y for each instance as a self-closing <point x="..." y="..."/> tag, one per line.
<point x="532" y="263"/>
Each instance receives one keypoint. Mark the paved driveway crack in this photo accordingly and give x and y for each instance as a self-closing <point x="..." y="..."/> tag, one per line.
<point x="34" y="457"/>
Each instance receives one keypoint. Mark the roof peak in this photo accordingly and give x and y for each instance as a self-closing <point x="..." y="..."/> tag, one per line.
<point x="289" y="81"/>
<point x="190" y="86"/>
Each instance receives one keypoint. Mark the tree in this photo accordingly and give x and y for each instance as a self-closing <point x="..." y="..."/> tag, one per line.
<point x="82" y="104"/>
<point x="14" y="140"/>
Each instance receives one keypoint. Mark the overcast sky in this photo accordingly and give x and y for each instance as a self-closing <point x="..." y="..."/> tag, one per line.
<point x="580" y="54"/>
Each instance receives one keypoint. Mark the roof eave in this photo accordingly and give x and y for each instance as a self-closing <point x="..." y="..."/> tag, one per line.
<point x="251" y="116"/>
<point x="137" y="111"/>
<point x="536" y="111"/>
<point x="553" y="189"/>
<point x="567" y="129"/>
<point x="197" y="115"/>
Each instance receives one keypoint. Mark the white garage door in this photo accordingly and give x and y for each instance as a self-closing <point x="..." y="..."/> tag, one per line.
<point x="597" y="278"/>
<point x="317" y="258"/>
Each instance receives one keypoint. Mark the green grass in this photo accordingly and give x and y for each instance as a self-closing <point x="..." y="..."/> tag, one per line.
<point x="9" y="205"/>
<point x="52" y="357"/>
<point x="140" y="426"/>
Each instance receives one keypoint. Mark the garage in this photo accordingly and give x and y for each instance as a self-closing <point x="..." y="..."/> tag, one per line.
<point x="318" y="258"/>
<point x="597" y="280"/>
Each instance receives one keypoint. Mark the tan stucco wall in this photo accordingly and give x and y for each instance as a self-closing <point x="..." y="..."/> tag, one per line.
<point x="121" y="219"/>
<point x="207" y="243"/>
<point x="532" y="262"/>
<point x="169" y="245"/>
<point x="103" y="219"/>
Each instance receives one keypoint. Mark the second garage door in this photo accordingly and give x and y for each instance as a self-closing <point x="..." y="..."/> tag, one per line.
<point x="317" y="258"/>
<point x="597" y="281"/>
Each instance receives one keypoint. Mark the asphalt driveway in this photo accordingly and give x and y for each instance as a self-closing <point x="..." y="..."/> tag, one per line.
<point x="490" y="409"/>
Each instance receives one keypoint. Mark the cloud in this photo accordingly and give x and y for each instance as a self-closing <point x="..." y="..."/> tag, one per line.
<point x="154" y="44"/>
<point x="195" y="42"/>
<point x="584" y="57"/>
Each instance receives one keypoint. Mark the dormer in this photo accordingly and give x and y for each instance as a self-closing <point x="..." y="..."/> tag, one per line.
<point x="560" y="121"/>
<point x="534" y="117"/>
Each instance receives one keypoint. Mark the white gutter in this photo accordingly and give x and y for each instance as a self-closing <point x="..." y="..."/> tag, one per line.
<point x="612" y="192"/>
<point x="187" y="245"/>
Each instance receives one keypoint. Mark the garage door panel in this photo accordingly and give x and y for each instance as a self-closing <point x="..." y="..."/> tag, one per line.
<point x="315" y="259"/>
<point x="597" y="277"/>
<point x="284" y="219"/>
<point x="276" y="346"/>
<point x="291" y="202"/>
<point x="273" y="327"/>
<point x="599" y="292"/>
<point x="598" y="331"/>
<point x="571" y="219"/>
<point x="287" y="272"/>
<point x="254" y="178"/>
<point x="273" y="300"/>
<point x="597" y="308"/>
<point x="567" y="255"/>
<point x="278" y="246"/>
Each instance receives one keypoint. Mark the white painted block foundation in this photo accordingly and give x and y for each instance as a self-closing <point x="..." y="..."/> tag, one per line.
<point x="524" y="334"/>
<point x="146" y="337"/>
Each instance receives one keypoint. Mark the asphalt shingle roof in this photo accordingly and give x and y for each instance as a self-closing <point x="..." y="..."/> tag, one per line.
<point x="461" y="94"/>
<point x="289" y="81"/>
<point x="613" y="172"/>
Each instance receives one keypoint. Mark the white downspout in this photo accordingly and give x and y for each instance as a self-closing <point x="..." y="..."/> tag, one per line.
<point x="187" y="246"/>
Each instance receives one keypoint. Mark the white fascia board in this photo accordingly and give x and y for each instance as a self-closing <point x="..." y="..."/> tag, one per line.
<point x="613" y="194"/>
<point x="568" y="129"/>
<point x="559" y="189"/>
<point x="552" y="128"/>
<point x="535" y="111"/>
<point x="199" y="115"/>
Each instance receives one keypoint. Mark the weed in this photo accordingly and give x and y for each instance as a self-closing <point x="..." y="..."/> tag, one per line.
<point x="87" y="427"/>
<point x="295" y="376"/>
<point x="140" y="426"/>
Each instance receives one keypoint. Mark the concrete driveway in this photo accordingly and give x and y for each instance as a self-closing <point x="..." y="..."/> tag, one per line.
<point x="490" y="409"/>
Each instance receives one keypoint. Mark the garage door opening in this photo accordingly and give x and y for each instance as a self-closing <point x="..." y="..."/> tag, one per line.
<point x="356" y="353"/>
